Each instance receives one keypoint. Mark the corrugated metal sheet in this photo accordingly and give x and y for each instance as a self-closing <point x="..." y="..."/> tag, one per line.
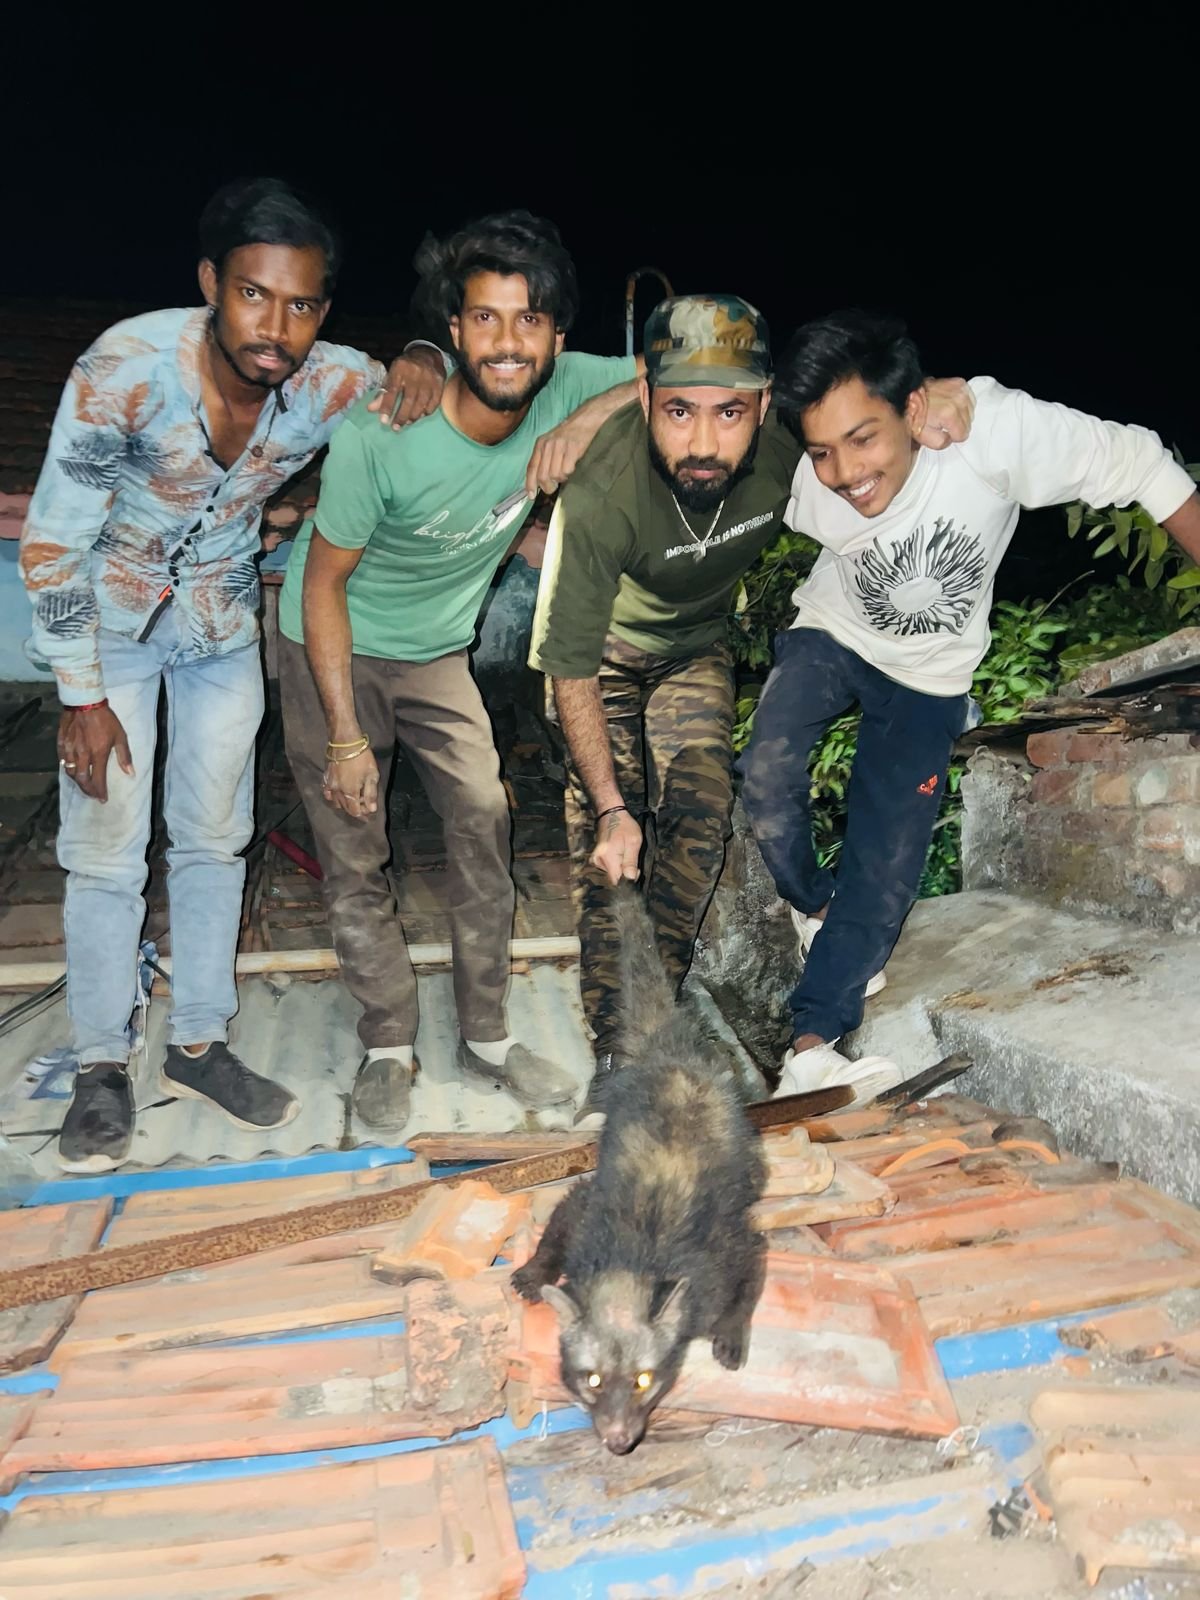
<point x="303" y="1034"/>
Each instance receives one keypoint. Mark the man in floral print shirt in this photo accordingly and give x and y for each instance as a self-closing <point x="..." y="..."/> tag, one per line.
<point x="140" y="557"/>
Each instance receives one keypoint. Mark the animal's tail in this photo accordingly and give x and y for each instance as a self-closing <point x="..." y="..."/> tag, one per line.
<point x="648" y="1000"/>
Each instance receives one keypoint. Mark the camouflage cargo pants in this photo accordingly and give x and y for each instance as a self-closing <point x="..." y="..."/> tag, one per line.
<point x="670" y="724"/>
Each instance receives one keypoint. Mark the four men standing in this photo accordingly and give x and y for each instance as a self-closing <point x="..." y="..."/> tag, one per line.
<point x="140" y="556"/>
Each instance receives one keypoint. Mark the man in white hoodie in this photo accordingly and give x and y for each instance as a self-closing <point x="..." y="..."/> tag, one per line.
<point x="894" y="617"/>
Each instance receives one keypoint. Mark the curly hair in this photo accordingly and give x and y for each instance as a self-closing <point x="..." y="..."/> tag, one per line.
<point x="509" y="242"/>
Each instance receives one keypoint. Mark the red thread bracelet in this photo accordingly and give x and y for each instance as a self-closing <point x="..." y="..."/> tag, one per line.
<point x="96" y="705"/>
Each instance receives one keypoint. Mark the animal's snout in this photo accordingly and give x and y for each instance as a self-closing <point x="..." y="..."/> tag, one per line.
<point x="619" y="1440"/>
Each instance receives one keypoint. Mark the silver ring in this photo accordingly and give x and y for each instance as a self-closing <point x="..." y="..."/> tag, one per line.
<point x="68" y="766"/>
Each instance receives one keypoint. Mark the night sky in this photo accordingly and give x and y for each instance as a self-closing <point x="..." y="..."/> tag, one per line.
<point x="1036" y="228"/>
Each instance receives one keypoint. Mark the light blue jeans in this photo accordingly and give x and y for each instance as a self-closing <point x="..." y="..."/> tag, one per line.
<point x="214" y="708"/>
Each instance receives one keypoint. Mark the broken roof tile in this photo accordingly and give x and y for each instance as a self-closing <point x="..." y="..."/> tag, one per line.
<point x="832" y="1345"/>
<point x="430" y="1524"/>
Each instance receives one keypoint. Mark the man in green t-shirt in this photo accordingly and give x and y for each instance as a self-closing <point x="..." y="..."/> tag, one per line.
<point x="647" y="546"/>
<point x="376" y="616"/>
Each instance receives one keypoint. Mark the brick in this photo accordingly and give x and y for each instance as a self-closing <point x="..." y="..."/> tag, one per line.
<point x="1104" y="827"/>
<point x="1049" y="748"/>
<point x="453" y="1233"/>
<point x="1104" y="748"/>
<point x="1056" y="786"/>
<point x="1166" y="827"/>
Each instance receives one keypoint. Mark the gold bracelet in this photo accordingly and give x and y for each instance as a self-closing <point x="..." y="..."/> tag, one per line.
<point x="344" y="744"/>
<point x="365" y="744"/>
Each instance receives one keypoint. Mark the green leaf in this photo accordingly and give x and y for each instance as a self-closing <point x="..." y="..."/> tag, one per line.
<point x="1189" y="578"/>
<point x="1074" y="519"/>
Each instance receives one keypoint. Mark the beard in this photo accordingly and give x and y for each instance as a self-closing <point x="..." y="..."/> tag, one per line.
<point x="705" y="496"/>
<point x="473" y="375"/>
<point x="260" y="380"/>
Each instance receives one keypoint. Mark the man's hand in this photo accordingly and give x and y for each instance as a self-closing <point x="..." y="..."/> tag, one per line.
<point x="951" y="410"/>
<point x="353" y="786"/>
<point x="86" y="740"/>
<point x="618" y="846"/>
<point x="412" y="389"/>
<point x="556" y="454"/>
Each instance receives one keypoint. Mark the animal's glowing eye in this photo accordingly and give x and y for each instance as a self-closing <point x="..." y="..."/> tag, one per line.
<point x="593" y="1380"/>
<point x="644" y="1380"/>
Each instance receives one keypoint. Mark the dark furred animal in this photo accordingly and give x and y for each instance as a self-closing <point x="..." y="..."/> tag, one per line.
<point x="657" y="1248"/>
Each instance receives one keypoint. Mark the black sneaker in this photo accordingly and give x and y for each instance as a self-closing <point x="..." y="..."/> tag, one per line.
<point x="98" y="1127"/>
<point x="218" y="1076"/>
<point x="382" y="1094"/>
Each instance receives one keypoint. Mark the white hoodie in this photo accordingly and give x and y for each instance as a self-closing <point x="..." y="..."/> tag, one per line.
<point x="910" y="591"/>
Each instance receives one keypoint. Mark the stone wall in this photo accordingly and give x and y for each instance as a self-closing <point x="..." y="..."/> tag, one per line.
<point x="1091" y="822"/>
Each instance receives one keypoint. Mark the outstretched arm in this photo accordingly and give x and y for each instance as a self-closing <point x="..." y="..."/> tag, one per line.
<point x="557" y="453"/>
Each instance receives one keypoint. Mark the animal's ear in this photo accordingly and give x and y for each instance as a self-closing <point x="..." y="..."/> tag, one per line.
<point x="671" y="1314"/>
<point x="565" y="1309"/>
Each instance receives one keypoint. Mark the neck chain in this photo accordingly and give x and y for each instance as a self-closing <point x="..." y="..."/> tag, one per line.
<point x="701" y="545"/>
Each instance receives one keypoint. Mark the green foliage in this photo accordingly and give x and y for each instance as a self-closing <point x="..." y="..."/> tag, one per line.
<point x="1142" y="543"/>
<point x="1109" y="619"/>
<point x="1019" y="666"/>
<point x="764" y="599"/>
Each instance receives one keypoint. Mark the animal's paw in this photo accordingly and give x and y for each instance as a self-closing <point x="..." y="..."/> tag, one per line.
<point x="528" y="1281"/>
<point x="731" y="1346"/>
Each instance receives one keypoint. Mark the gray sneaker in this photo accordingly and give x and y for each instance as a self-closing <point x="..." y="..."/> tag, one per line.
<point x="382" y="1094"/>
<point x="226" y="1082"/>
<point x="533" y="1080"/>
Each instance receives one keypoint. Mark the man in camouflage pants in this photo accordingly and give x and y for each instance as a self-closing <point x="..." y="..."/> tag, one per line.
<point x="649" y="540"/>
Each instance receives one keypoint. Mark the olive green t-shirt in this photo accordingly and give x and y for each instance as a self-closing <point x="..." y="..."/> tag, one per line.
<point x="620" y="557"/>
<point x="433" y="512"/>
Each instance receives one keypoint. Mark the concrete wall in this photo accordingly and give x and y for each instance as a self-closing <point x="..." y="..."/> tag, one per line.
<point x="1089" y="822"/>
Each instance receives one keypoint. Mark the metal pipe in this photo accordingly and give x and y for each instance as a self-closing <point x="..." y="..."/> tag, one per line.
<point x="631" y="288"/>
<point x="251" y="963"/>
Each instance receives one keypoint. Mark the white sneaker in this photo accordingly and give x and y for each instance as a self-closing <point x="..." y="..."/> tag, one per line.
<point x="808" y="928"/>
<point x="823" y="1067"/>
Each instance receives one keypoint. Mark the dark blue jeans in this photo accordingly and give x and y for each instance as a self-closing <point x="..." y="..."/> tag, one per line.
<point x="896" y="786"/>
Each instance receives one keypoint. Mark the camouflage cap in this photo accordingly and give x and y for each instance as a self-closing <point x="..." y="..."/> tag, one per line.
<point x="715" y="339"/>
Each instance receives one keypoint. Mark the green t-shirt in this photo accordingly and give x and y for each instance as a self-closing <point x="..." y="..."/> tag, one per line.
<point x="422" y="506"/>
<point x="619" y="559"/>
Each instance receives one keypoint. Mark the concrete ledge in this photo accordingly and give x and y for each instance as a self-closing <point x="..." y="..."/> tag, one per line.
<point x="1091" y="1024"/>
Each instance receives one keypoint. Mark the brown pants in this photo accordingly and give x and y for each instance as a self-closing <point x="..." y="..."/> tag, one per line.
<point x="434" y="711"/>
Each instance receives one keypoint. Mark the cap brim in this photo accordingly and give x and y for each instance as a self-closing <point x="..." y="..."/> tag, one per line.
<point x="687" y="375"/>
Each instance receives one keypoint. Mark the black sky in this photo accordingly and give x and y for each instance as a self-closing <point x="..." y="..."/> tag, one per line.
<point x="1028" y="205"/>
